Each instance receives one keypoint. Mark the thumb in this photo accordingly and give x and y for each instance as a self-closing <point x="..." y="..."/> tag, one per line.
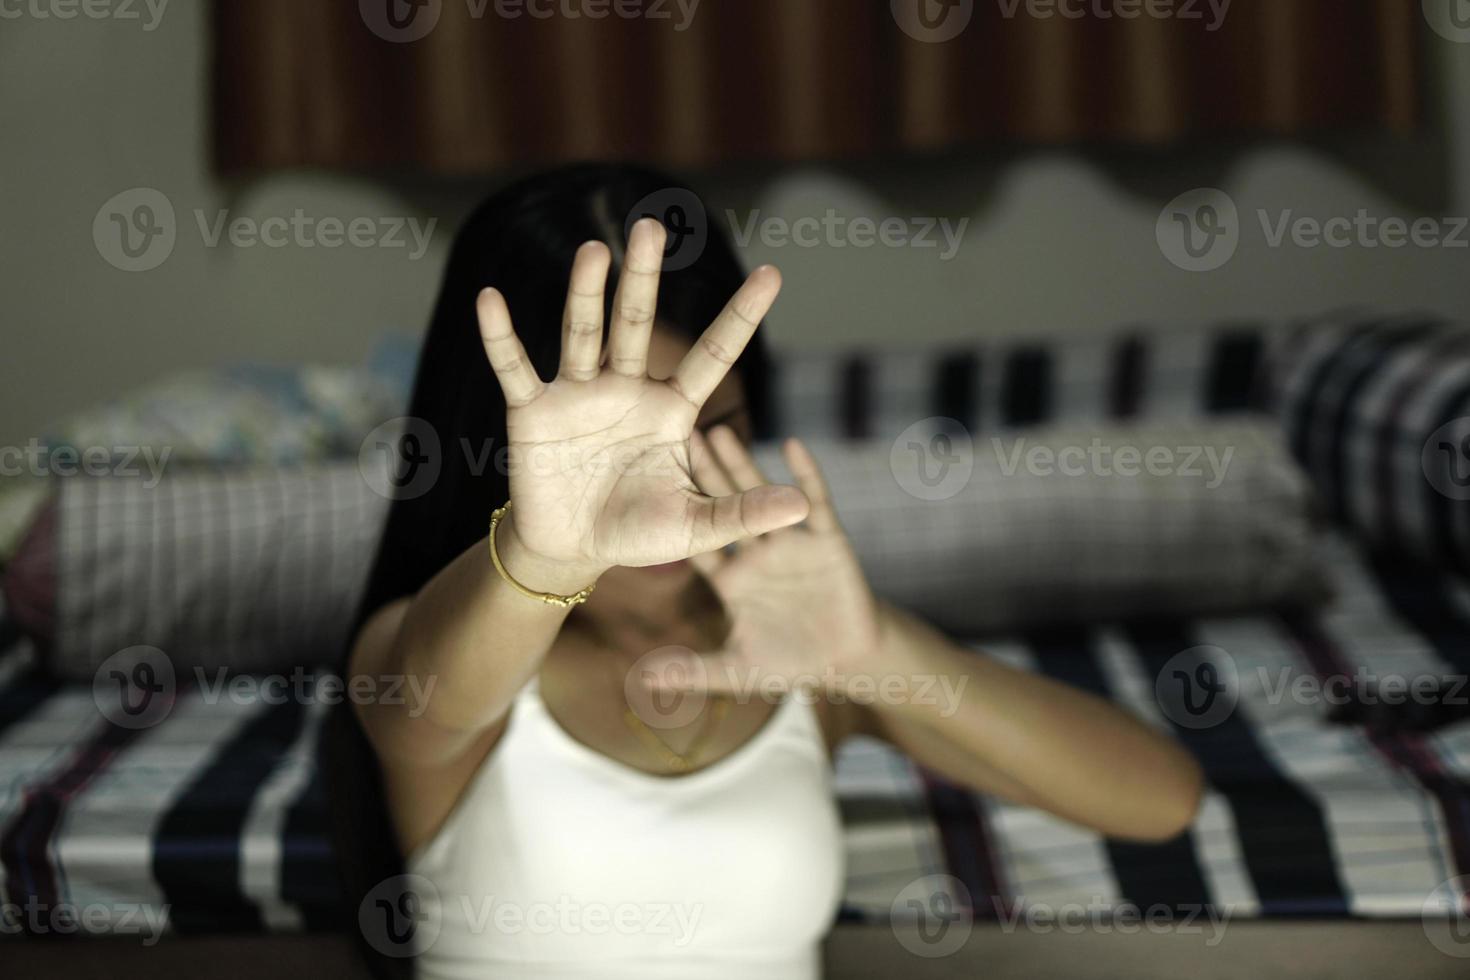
<point x="718" y="521"/>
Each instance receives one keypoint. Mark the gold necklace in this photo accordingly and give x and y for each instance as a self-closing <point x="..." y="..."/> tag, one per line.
<point x="678" y="761"/>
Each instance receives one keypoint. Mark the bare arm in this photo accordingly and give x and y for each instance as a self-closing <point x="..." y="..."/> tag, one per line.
<point x="599" y="476"/>
<point x="1029" y="738"/>
<point x="801" y="609"/>
<point x="467" y="639"/>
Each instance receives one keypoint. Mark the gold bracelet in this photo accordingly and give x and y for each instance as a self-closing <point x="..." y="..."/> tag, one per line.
<point x="551" y="599"/>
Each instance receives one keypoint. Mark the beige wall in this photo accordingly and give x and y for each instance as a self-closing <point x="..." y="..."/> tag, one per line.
<point x="89" y="109"/>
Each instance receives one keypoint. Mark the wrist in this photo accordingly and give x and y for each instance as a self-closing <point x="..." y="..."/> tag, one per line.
<point x="539" y="572"/>
<point x="880" y="670"/>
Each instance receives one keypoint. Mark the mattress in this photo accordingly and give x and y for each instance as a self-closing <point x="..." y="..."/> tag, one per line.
<point x="215" y="818"/>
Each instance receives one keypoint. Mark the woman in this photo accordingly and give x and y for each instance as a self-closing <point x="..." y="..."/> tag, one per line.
<point x="556" y="821"/>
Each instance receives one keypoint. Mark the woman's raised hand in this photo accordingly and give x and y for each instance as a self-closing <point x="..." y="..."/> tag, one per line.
<point x="599" y="457"/>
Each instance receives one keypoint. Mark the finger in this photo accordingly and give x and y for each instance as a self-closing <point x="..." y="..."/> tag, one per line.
<point x="710" y="477"/>
<point x="636" y="300"/>
<point x="581" y="324"/>
<point x="823" y="516"/>
<point x="706" y="365"/>
<point x="518" y="379"/>
<point x="736" y="459"/>
<point x="719" y="521"/>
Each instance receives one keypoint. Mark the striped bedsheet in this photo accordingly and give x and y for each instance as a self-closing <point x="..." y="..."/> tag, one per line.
<point x="214" y="819"/>
<point x="1303" y="817"/>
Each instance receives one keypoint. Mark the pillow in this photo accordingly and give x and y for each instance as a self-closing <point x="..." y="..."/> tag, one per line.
<point x="1375" y="409"/>
<point x="243" y="414"/>
<point x="1034" y="528"/>
<point x="252" y="571"/>
<point x="262" y="571"/>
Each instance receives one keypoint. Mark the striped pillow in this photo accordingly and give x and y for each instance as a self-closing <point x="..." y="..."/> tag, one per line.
<point x="261" y="571"/>
<point x="1040" y="527"/>
<point x="251" y="571"/>
<point x="1377" y="410"/>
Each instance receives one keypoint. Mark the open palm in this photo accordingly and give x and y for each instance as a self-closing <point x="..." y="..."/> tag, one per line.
<point x="800" y="608"/>
<point x="599" y="462"/>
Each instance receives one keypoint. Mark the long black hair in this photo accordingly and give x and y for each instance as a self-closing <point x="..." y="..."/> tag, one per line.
<point x="520" y="241"/>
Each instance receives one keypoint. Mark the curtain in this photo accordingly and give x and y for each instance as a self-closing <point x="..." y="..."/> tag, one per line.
<point x="465" y="86"/>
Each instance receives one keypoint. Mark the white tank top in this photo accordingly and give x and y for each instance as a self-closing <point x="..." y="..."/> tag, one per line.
<point x="561" y="862"/>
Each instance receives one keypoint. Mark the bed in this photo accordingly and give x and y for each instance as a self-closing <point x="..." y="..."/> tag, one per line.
<point x="1326" y="801"/>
